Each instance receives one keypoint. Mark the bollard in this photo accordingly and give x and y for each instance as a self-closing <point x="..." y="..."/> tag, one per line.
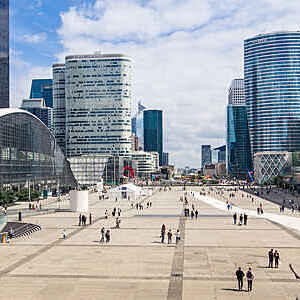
<point x="20" y="216"/>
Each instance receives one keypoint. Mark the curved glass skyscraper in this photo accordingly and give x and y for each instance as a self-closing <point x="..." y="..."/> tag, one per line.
<point x="272" y="91"/>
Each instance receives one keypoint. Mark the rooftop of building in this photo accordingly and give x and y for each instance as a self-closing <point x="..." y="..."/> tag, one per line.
<point x="261" y="35"/>
<point x="97" y="56"/>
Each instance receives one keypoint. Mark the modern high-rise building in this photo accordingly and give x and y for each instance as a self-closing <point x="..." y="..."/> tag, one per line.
<point x="149" y="129"/>
<point x="221" y="155"/>
<point x="272" y="91"/>
<point x="206" y="158"/>
<point x="59" y="105"/>
<point x="98" y="104"/>
<point x="165" y="160"/>
<point x="238" y="161"/>
<point x="42" y="88"/>
<point x="38" y="108"/>
<point x="4" y="53"/>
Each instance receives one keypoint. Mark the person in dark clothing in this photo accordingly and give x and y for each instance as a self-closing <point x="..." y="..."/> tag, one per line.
<point x="250" y="277"/>
<point x="241" y="219"/>
<point x="271" y="257"/>
<point x="192" y="214"/>
<point x="80" y="220"/>
<point x="196" y="213"/>
<point x="240" y="278"/>
<point x="90" y="219"/>
<point x="245" y="219"/>
<point x="107" y="236"/>
<point x="163" y="232"/>
<point x="234" y="218"/>
<point x="276" y="258"/>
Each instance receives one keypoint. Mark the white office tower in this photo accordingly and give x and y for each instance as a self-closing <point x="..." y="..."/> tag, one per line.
<point x="98" y="104"/>
<point x="59" y="105"/>
<point x="236" y="92"/>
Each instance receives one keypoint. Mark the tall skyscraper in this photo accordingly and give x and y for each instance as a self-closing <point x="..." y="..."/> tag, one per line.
<point x="205" y="155"/>
<point x="238" y="161"/>
<point x="221" y="153"/>
<point x="38" y="108"/>
<point x="98" y="104"/>
<point x="59" y="105"/>
<point x="272" y="90"/>
<point x="42" y="88"/>
<point x="4" y="53"/>
<point x="149" y="129"/>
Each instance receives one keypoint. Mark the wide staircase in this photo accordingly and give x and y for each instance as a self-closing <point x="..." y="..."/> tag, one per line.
<point x="20" y="229"/>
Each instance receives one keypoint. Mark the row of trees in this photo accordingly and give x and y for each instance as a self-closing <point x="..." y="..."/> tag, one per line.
<point x="9" y="197"/>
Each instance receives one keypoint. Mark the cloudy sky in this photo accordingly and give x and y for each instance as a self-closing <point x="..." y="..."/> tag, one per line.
<point x="186" y="52"/>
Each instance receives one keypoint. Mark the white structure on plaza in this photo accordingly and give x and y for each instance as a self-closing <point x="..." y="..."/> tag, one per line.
<point x="79" y="201"/>
<point x="98" y="104"/>
<point x="59" y="105"/>
<point x="88" y="169"/>
<point x="236" y="92"/>
<point x="269" y="164"/>
<point x="145" y="163"/>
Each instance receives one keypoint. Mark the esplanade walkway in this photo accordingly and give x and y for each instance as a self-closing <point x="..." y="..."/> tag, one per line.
<point x="135" y="265"/>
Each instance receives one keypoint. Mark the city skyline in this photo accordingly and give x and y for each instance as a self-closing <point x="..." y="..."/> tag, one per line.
<point x="212" y="35"/>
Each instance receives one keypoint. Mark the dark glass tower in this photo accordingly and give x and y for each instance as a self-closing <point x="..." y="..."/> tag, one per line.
<point x="42" y="88"/>
<point x="153" y="132"/>
<point x="4" y="54"/>
<point x="239" y="160"/>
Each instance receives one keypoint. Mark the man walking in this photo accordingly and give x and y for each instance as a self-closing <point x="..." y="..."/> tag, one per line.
<point x="102" y="231"/>
<point x="250" y="278"/>
<point x="245" y="219"/>
<point x="271" y="257"/>
<point x="276" y="257"/>
<point x="234" y="218"/>
<point x="80" y="220"/>
<point x="162" y="233"/>
<point x="170" y="237"/>
<point x="240" y="278"/>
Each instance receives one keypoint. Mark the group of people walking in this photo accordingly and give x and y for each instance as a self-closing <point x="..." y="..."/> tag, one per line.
<point x="104" y="235"/>
<point x="240" y="278"/>
<point x="273" y="257"/>
<point x="169" y="235"/>
<point x="243" y="219"/>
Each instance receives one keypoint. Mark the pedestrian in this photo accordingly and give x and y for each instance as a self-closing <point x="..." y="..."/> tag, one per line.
<point x="80" y="220"/>
<point x="102" y="231"/>
<point x="276" y="257"/>
<point x="196" y="214"/>
<point x="241" y="219"/>
<point x="250" y="277"/>
<point x="240" y="278"/>
<point x="271" y="257"/>
<point x="107" y="236"/>
<point x="106" y="214"/>
<point x="90" y="218"/>
<point x="234" y="218"/>
<point x="177" y="236"/>
<point x="170" y="236"/>
<point x="245" y="218"/>
<point x="162" y="233"/>
<point x="64" y="234"/>
<point x="192" y="214"/>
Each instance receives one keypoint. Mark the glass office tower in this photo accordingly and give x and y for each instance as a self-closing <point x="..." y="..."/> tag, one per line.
<point x="4" y="54"/>
<point x="272" y="91"/>
<point x="42" y="88"/>
<point x="153" y="132"/>
<point x="205" y="155"/>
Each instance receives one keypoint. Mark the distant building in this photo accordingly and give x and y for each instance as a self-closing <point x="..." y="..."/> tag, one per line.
<point x="165" y="159"/>
<point x="239" y="160"/>
<point x="38" y="108"/>
<point x="221" y="153"/>
<point x="236" y="95"/>
<point x="42" y="88"/>
<point x="4" y="54"/>
<point x="149" y="129"/>
<point x="133" y="125"/>
<point x="145" y="163"/>
<point x="205" y="155"/>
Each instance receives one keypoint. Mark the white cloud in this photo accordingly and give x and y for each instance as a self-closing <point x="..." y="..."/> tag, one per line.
<point x="185" y="55"/>
<point x="35" y="38"/>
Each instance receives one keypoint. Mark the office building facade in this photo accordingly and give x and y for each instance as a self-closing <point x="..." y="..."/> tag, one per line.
<point x="42" y="88"/>
<point x="98" y="104"/>
<point x="221" y="153"/>
<point x="205" y="155"/>
<point x="272" y="91"/>
<point x="239" y="159"/>
<point x="59" y="105"/>
<point x="38" y="108"/>
<point x="149" y="129"/>
<point x="4" y="53"/>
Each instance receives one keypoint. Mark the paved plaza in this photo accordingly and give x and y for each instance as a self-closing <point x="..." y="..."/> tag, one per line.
<point x="135" y="265"/>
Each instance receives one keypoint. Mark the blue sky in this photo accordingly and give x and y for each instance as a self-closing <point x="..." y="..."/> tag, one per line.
<point x="186" y="52"/>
